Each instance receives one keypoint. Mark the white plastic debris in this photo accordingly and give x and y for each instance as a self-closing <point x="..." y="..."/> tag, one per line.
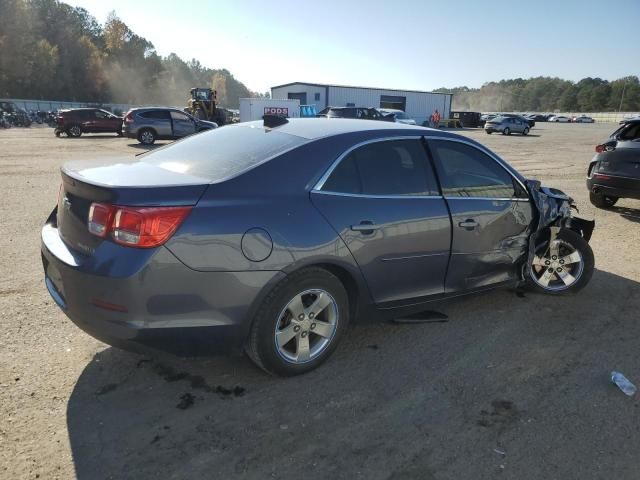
<point x="623" y="383"/>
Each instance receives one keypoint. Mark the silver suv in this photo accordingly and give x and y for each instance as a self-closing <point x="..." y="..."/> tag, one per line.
<point x="506" y="125"/>
<point x="161" y="123"/>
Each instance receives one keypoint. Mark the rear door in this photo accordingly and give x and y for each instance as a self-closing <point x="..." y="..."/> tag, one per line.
<point x="518" y="125"/>
<point x="87" y="119"/>
<point x="183" y="125"/>
<point x="382" y="199"/>
<point x="490" y="211"/>
<point x="624" y="161"/>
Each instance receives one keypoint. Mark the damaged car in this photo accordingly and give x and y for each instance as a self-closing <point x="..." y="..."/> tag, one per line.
<point x="272" y="237"/>
<point x="614" y="172"/>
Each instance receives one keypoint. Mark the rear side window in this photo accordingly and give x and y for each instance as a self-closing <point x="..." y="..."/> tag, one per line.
<point x="394" y="167"/>
<point x="223" y="152"/>
<point x="631" y="132"/>
<point x="466" y="171"/>
<point x="155" y="114"/>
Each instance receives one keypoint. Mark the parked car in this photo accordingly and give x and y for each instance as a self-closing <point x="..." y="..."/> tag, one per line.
<point x="529" y="121"/>
<point x="398" y="115"/>
<point x="485" y="117"/>
<point x="74" y="122"/>
<point x="507" y="125"/>
<point x="559" y="119"/>
<point x="149" y="124"/>
<point x="355" y="112"/>
<point x="582" y="119"/>
<point x="539" y="117"/>
<point x="614" y="172"/>
<point x="203" y="243"/>
<point x="629" y="119"/>
<point x="15" y="115"/>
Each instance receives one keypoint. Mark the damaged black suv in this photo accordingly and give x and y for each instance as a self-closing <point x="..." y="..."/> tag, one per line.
<point x="614" y="172"/>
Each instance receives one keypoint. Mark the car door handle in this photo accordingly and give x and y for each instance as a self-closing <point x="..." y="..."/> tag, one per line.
<point x="366" y="227"/>
<point x="469" y="224"/>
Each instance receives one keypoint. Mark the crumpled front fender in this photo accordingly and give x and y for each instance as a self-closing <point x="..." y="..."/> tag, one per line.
<point x="554" y="209"/>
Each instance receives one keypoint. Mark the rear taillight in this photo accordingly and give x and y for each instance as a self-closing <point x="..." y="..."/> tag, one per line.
<point x="129" y="117"/>
<point x="100" y="216"/>
<point x="143" y="227"/>
<point x="599" y="148"/>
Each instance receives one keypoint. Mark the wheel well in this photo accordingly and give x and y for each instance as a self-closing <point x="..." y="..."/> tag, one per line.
<point x="349" y="283"/>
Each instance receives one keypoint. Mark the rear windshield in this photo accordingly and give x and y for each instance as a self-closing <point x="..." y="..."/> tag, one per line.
<point x="223" y="152"/>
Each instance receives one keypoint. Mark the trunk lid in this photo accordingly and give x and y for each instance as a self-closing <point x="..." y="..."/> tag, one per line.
<point x="117" y="182"/>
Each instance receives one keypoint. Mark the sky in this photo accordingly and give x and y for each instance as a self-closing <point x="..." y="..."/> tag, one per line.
<point x="401" y="44"/>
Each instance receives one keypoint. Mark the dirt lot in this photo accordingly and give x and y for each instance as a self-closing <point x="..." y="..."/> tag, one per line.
<point x="508" y="387"/>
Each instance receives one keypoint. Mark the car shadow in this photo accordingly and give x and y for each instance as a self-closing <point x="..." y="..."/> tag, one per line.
<point x="628" y="213"/>
<point x="386" y="403"/>
<point x="140" y="146"/>
<point x="91" y="136"/>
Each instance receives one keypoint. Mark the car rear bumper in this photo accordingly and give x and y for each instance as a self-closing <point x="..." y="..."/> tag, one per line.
<point x="164" y="306"/>
<point x="614" y="186"/>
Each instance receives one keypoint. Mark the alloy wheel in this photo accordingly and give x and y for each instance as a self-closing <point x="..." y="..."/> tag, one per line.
<point x="306" y="326"/>
<point x="557" y="265"/>
<point x="146" y="137"/>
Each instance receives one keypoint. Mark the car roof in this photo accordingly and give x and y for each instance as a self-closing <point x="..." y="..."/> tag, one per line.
<point x="156" y="108"/>
<point x="313" y="128"/>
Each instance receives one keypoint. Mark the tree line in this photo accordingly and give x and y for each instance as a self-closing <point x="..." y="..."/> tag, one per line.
<point x="51" y="50"/>
<point x="546" y="94"/>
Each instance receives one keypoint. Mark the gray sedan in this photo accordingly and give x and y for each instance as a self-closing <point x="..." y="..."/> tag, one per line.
<point x="273" y="237"/>
<point x="507" y="125"/>
<point x="149" y="124"/>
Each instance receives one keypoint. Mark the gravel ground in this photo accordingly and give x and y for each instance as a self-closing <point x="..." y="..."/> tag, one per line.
<point x="508" y="387"/>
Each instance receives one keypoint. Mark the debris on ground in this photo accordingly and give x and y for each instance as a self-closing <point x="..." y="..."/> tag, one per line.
<point x="623" y="383"/>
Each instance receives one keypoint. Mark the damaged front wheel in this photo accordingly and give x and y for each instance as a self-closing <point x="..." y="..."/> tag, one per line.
<point x="563" y="263"/>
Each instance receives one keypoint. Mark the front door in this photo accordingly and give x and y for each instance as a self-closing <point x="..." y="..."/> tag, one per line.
<point x="106" y="122"/>
<point x="382" y="199"/>
<point x="183" y="124"/>
<point x="491" y="216"/>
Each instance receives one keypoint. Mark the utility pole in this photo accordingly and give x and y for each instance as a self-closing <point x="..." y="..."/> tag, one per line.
<point x="622" y="96"/>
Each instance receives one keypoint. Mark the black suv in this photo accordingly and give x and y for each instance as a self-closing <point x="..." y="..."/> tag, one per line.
<point x="355" y="112"/>
<point x="615" y="170"/>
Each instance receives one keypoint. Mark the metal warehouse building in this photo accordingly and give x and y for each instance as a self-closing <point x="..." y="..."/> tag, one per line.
<point x="418" y="105"/>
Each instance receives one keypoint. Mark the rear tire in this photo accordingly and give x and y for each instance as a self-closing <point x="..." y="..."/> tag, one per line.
<point x="146" y="136"/>
<point x="565" y="270"/>
<point x="602" y="201"/>
<point x="74" y="131"/>
<point x="507" y="131"/>
<point x="488" y="132"/>
<point x="285" y="343"/>
<point x="525" y="131"/>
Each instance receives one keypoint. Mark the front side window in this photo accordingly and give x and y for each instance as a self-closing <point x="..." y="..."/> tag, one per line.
<point x="179" y="116"/>
<point x="466" y="171"/>
<point x="394" y="167"/>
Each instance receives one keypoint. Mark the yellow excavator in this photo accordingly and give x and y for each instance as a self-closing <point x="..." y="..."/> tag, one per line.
<point x="202" y="105"/>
